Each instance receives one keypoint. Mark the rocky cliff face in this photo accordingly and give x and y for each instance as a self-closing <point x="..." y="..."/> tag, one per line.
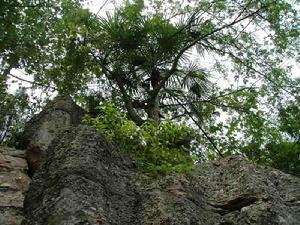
<point x="84" y="179"/>
<point x="39" y="132"/>
<point x="14" y="182"/>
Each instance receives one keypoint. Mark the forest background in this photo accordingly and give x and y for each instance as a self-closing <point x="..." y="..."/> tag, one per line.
<point x="181" y="80"/>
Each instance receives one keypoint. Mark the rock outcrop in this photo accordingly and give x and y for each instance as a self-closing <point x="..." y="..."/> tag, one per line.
<point x="83" y="179"/>
<point x="14" y="182"/>
<point x="57" y="115"/>
<point x="245" y="193"/>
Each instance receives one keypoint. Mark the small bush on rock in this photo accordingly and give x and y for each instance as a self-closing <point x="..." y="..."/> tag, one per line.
<point x="161" y="149"/>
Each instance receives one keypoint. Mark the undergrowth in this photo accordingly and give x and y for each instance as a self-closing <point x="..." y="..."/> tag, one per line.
<point x="162" y="149"/>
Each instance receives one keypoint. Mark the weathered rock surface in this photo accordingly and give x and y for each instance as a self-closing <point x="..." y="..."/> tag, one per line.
<point x="85" y="180"/>
<point x="57" y="115"/>
<point x="244" y="193"/>
<point x="14" y="182"/>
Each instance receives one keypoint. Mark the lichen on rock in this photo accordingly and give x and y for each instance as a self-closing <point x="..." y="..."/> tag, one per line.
<point x="84" y="179"/>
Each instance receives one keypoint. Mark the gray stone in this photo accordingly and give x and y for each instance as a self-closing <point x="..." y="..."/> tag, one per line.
<point x="58" y="114"/>
<point x="245" y="193"/>
<point x="83" y="179"/>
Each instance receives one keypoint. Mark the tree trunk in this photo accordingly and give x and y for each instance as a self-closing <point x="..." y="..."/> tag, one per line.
<point x="153" y="110"/>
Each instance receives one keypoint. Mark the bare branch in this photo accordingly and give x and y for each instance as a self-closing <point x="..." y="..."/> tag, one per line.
<point x="231" y="93"/>
<point x="199" y="126"/>
<point x="101" y="7"/>
<point x="32" y="82"/>
<point x="195" y="41"/>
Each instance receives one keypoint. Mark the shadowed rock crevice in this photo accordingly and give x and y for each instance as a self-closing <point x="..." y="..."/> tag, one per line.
<point x="235" y="204"/>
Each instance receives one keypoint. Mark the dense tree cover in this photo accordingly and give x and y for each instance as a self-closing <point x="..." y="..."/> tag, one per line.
<point x="151" y="60"/>
<point x="12" y="116"/>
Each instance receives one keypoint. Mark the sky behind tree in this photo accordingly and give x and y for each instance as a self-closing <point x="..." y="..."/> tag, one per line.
<point x="104" y="7"/>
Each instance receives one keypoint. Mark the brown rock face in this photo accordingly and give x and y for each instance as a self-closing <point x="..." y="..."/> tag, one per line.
<point x="83" y="179"/>
<point x="14" y="182"/>
<point x="58" y="114"/>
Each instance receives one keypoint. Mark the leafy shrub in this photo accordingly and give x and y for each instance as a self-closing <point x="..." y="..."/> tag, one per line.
<point x="14" y="111"/>
<point x="284" y="156"/>
<point x="159" y="149"/>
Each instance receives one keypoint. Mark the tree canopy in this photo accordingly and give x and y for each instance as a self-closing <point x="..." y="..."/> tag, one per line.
<point x="214" y="64"/>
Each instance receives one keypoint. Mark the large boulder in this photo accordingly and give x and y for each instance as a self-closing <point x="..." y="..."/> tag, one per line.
<point x="57" y="115"/>
<point x="14" y="182"/>
<point x="83" y="179"/>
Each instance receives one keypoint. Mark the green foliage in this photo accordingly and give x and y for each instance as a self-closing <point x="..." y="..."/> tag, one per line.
<point x="280" y="154"/>
<point x="13" y="114"/>
<point x="134" y="39"/>
<point x="162" y="149"/>
<point x="290" y="119"/>
<point x="266" y="138"/>
<point x="141" y="57"/>
<point x="284" y="156"/>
